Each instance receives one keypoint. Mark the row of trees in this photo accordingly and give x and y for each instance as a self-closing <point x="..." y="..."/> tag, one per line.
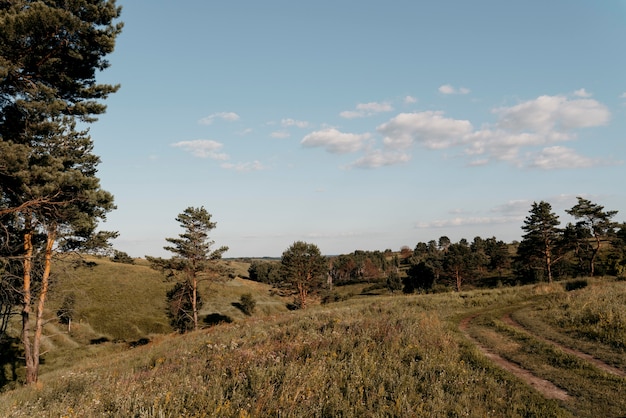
<point x="592" y="244"/>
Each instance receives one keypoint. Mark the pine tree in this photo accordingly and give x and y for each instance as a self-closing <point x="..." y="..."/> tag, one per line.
<point x="193" y="257"/>
<point x="50" y="196"/>
<point x="596" y="223"/>
<point x="543" y="237"/>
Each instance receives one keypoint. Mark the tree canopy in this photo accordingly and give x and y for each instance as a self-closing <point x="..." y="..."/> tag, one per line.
<point x="193" y="256"/>
<point x="303" y="269"/>
<point x="50" y="197"/>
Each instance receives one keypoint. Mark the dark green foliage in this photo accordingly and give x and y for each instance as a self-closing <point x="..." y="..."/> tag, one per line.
<point x="247" y="303"/>
<point x="122" y="257"/>
<point x="216" y="319"/>
<point x="67" y="310"/>
<point x="265" y="272"/>
<point x="594" y="225"/>
<point x="394" y="281"/>
<point x="459" y="264"/>
<point x="304" y="270"/>
<point x="542" y="244"/>
<point x="359" y="267"/>
<point x="50" y="53"/>
<point x="419" y="277"/>
<point x="576" y="284"/>
<point x="193" y="260"/>
<point x="180" y="306"/>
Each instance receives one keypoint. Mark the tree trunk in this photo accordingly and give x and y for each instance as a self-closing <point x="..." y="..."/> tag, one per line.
<point x="549" y="262"/>
<point x="594" y="253"/>
<point x="302" y="295"/>
<point x="194" y="303"/>
<point x="32" y="343"/>
<point x="31" y="367"/>
<point x="458" y="280"/>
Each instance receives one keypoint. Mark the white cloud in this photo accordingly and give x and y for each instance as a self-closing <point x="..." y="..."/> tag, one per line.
<point x="335" y="141"/>
<point x="366" y="109"/>
<point x="203" y="148"/>
<point x="561" y="157"/>
<point x="430" y="129"/>
<point x="243" y="167"/>
<point x="227" y="116"/>
<point x="504" y="145"/>
<point x="410" y="100"/>
<point x="449" y="89"/>
<point x="582" y="93"/>
<point x="548" y="113"/>
<point x="292" y="122"/>
<point x="280" y="134"/>
<point x="378" y="158"/>
<point x="623" y="95"/>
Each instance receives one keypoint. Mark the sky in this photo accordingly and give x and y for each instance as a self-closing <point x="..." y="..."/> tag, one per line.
<point x="360" y="125"/>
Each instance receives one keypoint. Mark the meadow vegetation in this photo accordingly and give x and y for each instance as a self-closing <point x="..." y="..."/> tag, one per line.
<point x="367" y="355"/>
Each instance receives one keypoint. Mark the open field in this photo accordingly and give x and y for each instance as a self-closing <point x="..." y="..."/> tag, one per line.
<point x="383" y="355"/>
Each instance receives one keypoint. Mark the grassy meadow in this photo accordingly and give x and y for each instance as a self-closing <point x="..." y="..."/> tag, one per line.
<point x="368" y="356"/>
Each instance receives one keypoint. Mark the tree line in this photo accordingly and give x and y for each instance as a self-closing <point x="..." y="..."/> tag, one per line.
<point x="593" y="244"/>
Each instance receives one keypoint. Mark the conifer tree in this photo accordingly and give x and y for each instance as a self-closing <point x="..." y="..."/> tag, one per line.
<point x="543" y="237"/>
<point x="193" y="257"/>
<point x="50" y="197"/>
<point x="594" y="222"/>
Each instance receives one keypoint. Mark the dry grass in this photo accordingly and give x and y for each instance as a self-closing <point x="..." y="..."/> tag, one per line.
<point x="366" y="358"/>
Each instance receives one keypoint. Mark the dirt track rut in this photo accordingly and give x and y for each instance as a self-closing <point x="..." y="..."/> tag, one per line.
<point x="545" y="387"/>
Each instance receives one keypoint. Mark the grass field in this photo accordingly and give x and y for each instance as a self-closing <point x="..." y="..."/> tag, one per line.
<point x="385" y="355"/>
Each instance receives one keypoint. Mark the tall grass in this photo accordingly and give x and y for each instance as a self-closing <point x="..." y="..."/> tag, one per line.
<point x="596" y="313"/>
<point x="365" y="358"/>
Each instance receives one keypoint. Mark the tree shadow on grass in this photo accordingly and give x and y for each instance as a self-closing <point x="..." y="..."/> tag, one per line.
<point x="9" y="360"/>
<point x="217" y="318"/>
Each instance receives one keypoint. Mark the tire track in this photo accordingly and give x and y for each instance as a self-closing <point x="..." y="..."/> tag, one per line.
<point x="507" y="319"/>
<point x="543" y="386"/>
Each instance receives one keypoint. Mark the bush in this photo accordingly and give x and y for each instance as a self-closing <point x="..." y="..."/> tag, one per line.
<point x="576" y="284"/>
<point x="247" y="303"/>
<point x="122" y="257"/>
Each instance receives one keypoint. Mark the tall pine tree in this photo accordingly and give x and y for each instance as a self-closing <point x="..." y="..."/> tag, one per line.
<point x="543" y="237"/>
<point x="50" y="197"/>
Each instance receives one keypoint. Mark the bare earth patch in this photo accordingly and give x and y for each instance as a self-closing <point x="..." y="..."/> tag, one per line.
<point x="545" y="387"/>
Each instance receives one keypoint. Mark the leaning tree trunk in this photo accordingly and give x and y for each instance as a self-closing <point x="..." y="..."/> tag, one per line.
<point x="31" y="367"/>
<point x="32" y="343"/>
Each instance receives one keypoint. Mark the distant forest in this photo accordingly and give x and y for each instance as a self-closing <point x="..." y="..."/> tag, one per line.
<point x="593" y="245"/>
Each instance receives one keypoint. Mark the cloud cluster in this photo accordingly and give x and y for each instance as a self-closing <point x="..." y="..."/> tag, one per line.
<point x="527" y="134"/>
<point x="227" y="116"/>
<point x="366" y="109"/>
<point x="448" y="89"/>
<point x="334" y="141"/>
<point x="207" y="148"/>
<point x="203" y="148"/>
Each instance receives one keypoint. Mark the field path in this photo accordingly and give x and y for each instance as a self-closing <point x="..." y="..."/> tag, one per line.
<point x="545" y="387"/>
<point x="584" y="356"/>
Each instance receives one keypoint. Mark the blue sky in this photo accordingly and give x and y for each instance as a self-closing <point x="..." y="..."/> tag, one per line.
<point x="360" y="124"/>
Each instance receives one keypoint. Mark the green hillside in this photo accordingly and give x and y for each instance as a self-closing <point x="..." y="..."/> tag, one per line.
<point x="380" y="355"/>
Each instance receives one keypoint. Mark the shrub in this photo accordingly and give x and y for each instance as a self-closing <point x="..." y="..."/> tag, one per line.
<point x="576" y="284"/>
<point x="122" y="257"/>
<point x="247" y="303"/>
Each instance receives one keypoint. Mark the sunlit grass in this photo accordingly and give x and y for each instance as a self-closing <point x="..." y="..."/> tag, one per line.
<point x="387" y="356"/>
